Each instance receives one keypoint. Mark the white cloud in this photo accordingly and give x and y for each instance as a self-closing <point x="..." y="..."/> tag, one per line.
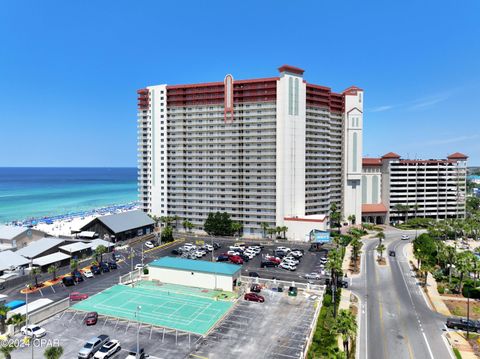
<point x="381" y="108"/>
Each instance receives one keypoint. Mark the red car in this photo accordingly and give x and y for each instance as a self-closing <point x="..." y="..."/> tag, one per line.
<point x="236" y="259"/>
<point x="91" y="318"/>
<point x="78" y="296"/>
<point x="254" y="297"/>
<point x="273" y="259"/>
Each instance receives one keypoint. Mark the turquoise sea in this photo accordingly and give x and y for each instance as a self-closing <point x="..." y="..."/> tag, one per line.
<point x="40" y="192"/>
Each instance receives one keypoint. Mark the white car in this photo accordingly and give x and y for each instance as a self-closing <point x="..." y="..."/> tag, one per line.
<point x="290" y="261"/>
<point x="140" y="266"/>
<point x="314" y="276"/>
<point x="88" y="273"/>
<point x="233" y="253"/>
<point x="199" y="253"/>
<point x="208" y="247"/>
<point x="250" y="255"/>
<point x="287" y="266"/>
<point x="405" y="236"/>
<point x="255" y="249"/>
<point x="189" y="246"/>
<point x="236" y="248"/>
<point x="149" y="244"/>
<point x="297" y="254"/>
<point x="108" y="349"/>
<point x="33" y="330"/>
<point x="284" y="249"/>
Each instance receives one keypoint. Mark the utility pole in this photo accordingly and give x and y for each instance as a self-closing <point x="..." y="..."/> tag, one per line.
<point x="468" y="312"/>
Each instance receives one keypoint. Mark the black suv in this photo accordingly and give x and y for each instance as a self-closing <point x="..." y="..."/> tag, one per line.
<point x="95" y="270"/>
<point x="104" y="266"/>
<point x="462" y="324"/>
<point x="268" y="264"/>
<point x="77" y="276"/>
<point x="68" y="281"/>
<point x="112" y="265"/>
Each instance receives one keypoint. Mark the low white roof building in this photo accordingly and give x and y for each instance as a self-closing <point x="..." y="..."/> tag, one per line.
<point x="50" y="259"/>
<point x="36" y="248"/>
<point x="75" y="247"/>
<point x="100" y="242"/>
<point x="9" y="259"/>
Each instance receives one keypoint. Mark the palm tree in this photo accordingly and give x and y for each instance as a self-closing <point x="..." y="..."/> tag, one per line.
<point x="380" y="249"/>
<point x="35" y="272"/>
<point x="356" y="245"/>
<point x="278" y="231"/>
<point x="271" y="232"/>
<point x="53" y="352"/>
<point x="335" y="217"/>
<point x="237" y="228"/>
<point x="346" y="326"/>
<point x="16" y="319"/>
<point x="265" y="227"/>
<point x="7" y="350"/>
<point x="425" y="268"/>
<point x="3" y="315"/>
<point x="73" y="264"/>
<point x="284" y="230"/>
<point x="53" y="271"/>
<point x="187" y="225"/>
<point x="99" y="251"/>
<point x="402" y="208"/>
<point x="176" y="218"/>
<point x="464" y="266"/>
<point x="352" y="218"/>
<point x="381" y="236"/>
<point x="475" y="269"/>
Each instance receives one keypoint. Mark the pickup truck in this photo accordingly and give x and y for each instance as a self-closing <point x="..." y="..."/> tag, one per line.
<point x="462" y="323"/>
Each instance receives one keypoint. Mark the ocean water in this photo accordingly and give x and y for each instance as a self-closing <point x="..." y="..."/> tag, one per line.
<point x="39" y="192"/>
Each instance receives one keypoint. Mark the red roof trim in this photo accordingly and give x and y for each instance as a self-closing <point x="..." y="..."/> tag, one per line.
<point x="292" y="69"/>
<point x="371" y="161"/>
<point x="457" y="155"/>
<point x="208" y="84"/>
<point x="391" y="155"/>
<point x="374" y="208"/>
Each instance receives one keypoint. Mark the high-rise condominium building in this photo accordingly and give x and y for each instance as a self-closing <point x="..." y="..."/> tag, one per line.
<point x="395" y="189"/>
<point x="275" y="150"/>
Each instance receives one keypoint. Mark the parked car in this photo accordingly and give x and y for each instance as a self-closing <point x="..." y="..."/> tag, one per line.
<point x="314" y="276"/>
<point x="253" y="275"/>
<point x="88" y="273"/>
<point x="256" y="288"/>
<point x="108" y="349"/>
<point x="216" y="245"/>
<point x="292" y="291"/>
<point x="268" y="264"/>
<point x="74" y="296"/>
<point x="279" y="253"/>
<point x="189" y="246"/>
<point x="92" y="346"/>
<point x="68" y="281"/>
<point x="298" y="250"/>
<point x="112" y="265"/>
<point x="91" y="318"/>
<point x="132" y="354"/>
<point x="176" y="251"/>
<point x="222" y="258"/>
<point x="104" y="267"/>
<point x="96" y="270"/>
<point x="254" y="297"/>
<point x="296" y="254"/>
<point x="208" y="247"/>
<point x="283" y="249"/>
<point x="33" y="331"/>
<point x="233" y="253"/>
<point x="287" y="266"/>
<point x="236" y="259"/>
<point x="237" y="248"/>
<point x="273" y="259"/>
<point x="462" y="324"/>
<point x="245" y="257"/>
<point x="291" y="261"/>
<point x="149" y="245"/>
<point x="405" y="237"/>
<point x="77" y="276"/>
<point x="139" y="266"/>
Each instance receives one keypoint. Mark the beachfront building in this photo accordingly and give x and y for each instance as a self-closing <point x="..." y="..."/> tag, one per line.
<point x="15" y="237"/>
<point x="396" y="189"/>
<point x="121" y="226"/>
<point x="275" y="150"/>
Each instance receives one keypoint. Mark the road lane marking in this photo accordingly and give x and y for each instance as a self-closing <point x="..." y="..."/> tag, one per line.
<point x="416" y="313"/>
<point x="380" y="311"/>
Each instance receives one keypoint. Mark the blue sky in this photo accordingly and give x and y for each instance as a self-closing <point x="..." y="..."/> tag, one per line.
<point x="69" y="70"/>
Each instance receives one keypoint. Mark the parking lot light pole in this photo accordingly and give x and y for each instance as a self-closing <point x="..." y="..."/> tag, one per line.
<point x="137" y="314"/>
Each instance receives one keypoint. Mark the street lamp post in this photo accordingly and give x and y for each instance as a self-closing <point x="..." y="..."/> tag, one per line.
<point x="468" y="312"/>
<point x="137" y="314"/>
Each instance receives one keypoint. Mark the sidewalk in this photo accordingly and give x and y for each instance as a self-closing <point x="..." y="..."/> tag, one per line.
<point x="455" y="339"/>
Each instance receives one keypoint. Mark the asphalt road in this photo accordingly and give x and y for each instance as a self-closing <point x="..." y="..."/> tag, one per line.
<point x="395" y="318"/>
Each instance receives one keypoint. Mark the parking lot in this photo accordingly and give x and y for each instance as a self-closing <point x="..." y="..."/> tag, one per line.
<point x="68" y="328"/>
<point x="277" y="328"/>
<point x="309" y="263"/>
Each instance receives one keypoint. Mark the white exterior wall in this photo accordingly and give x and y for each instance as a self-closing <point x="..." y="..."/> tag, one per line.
<point x="353" y="128"/>
<point x="158" y="107"/>
<point x="291" y="127"/>
<point x="192" y="279"/>
<point x="371" y="193"/>
<point x="299" y="230"/>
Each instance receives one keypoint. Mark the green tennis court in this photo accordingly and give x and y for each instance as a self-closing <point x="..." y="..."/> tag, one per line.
<point x="170" y="309"/>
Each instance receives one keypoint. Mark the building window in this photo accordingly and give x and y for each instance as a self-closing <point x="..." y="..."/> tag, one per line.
<point x="354" y="152"/>
<point x="364" y="189"/>
<point x="375" y="189"/>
